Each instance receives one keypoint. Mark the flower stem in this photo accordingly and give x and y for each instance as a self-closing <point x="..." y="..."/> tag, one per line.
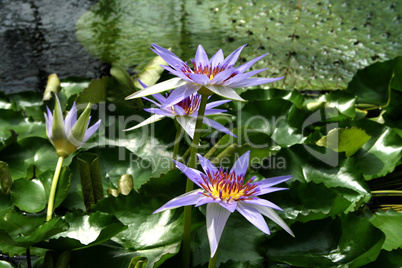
<point x="212" y="261"/>
<point x="28" y="254"/>
<point x="176" y="143"/>
<point x="53" y="189"/>
<point x="190" y="184"/>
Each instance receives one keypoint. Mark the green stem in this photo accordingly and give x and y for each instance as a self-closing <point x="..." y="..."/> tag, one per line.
<point x="53" y="189"/>
<point x="28" y="253"/>
<point x="190" y="184"/>
<point x="212" y="261"/>
<point x="176" y="143"/>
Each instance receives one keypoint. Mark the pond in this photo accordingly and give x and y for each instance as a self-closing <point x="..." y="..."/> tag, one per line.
<point x="315" y="44"/>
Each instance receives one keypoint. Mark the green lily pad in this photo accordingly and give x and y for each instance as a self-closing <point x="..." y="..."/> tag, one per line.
<point x="328" y="243"/>
<point x="343" y="101"/>
<point x="396" y="82"/>
<point x="371" y="85"/>
<point x="382" y="153"/>
<point x="30" y="156"/>
<point x="153" y="236"/>
<point x="387" y="259"/>
<point x="14" y="125"/>
<point x="347" y="140"/>
<point x="29" y="103"/>
<point x="85" y="231"/>
<point x="315" y="46"/>
<point x="24" y="191"/>
<point x="390" y="223"/>
<point x="95" y="92"/>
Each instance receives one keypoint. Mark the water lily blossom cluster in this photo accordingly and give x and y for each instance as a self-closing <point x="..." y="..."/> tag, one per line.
<point x="216" y="75"/>
<point x="69" y="134"/>
<point x="226" y="191"/>
<point x="185" y="112"/>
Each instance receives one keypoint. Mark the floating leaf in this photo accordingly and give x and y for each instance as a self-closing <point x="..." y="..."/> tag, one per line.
<point x="23" y="193"/>
<point x="382" y="153"/>
<point x="95" y="92"/>
<point x="124" y="86"/>
<point x="63" y="185"/>
<point x="390" y="222"/>
<point x="85" y="231"/>
<point x="347" y="140"/>
<point x="156" y="237"/>
<point x="396" y="82"/>
<point x="30" y="157"/>
<point x="371" y="85"/>
<point x="328" y="243"/>
<point x="317" y="45"/>
<point x="40" y="233"/>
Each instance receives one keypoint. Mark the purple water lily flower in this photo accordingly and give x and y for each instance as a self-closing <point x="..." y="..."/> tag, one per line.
<point x="224" y="192"/>
<point x="185" y="112"/>
<point x="70" y="134"/>
<point x="215" y="75"/>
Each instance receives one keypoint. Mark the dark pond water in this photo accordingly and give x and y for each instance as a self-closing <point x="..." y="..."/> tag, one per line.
<point x="316" y="45"/>
<point x="37" y="38"/>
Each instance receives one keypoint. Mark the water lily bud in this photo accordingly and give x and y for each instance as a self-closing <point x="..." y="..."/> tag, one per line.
<point x="70" y="134"/>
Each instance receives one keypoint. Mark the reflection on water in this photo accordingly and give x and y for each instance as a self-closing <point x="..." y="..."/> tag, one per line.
<point x="316" y="45"/>
<point x="37" y="38"/>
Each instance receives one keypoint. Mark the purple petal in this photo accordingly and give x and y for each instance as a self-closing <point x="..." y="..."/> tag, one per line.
<point x="151" y="100"/>
<point x="206" y="201"/>
<point x="206" y="165"/>
<point x="159" y="97"/>
<point x="186" y="199"/>
<point x="232" y="58"/>
<point x="168" y="56"/>
<point x="241" y="165"/>
<point x="193" y="174"/>
<point x="178" y="73"/>
<point x="253" y="216"/>
<point x="70" y="119"/>
<point x="217" y="58"/>
<point x="181" y="93"/>
<point x="142" y="84"/>
<point x="265" y="185"/>
<point x="262" y="202"/>
<point x="201" y="57"/>
<point x="231" y="206"/>
<point x="178" y="110"/>
<point x="222" y="76"/>
<point x="217" y="126"/>
<point x="212" y="111"/>
<point x="247" y="65"/>
<point x="224" y="91"/>
<point x="188" y="124"/>
<point x="49" y="122"/>
<point x="217" y="217"/>
<point x="200" y="79"/>
<point x="159" y="111"/>
<point x="255" y="82"/>
<point x="271" y="214"/>
<point x="241" y="77"/>
<point x="216" y="103"/>
<point x="267" y="190"/>
<point x="90" y="131"/>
